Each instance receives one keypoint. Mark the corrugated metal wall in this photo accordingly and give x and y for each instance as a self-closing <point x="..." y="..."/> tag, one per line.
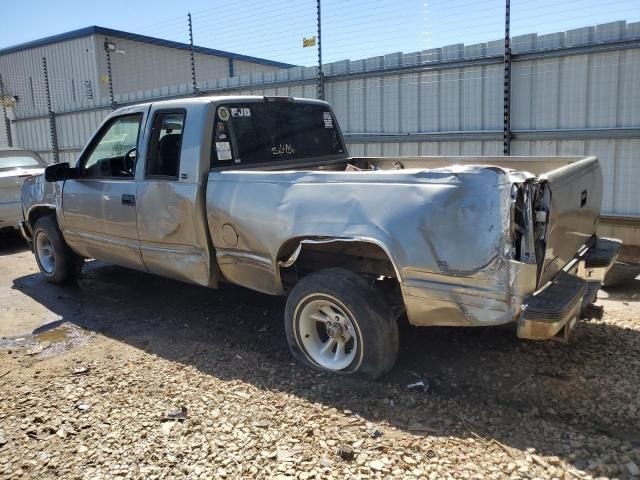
<point x="158" y="66"/>
<point x="3" y="131"/>
<point x="620" y="160"/>
<point x="71" y="68"/>
<point x="573" y="93"/>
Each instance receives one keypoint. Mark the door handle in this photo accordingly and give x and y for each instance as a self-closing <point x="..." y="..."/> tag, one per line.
<point x="128" y="199"/>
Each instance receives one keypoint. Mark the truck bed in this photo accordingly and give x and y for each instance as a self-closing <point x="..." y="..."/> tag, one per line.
<point x="444" y="221"/>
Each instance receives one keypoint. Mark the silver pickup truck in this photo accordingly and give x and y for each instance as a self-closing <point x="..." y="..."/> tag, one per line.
<point x="261" y="192"/>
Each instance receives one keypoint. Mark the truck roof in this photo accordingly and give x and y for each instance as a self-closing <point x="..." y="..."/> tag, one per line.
<point x="209" y="99"/>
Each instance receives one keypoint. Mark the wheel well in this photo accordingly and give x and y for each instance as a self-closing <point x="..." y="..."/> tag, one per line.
<point x="300" y="257"/>
<point x="37" y="213"/>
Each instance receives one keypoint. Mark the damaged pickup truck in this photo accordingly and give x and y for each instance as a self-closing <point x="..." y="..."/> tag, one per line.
<point x="261" y="192"/>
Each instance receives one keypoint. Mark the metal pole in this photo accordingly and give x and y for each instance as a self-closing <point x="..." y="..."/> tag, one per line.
<point x="110" y="77"/>
<point x="193" y="59"/>
<point x="320" y="73"/>
<point x="7" y="125"/>
<point x="33" y="96"/>
<point x="52" y="115"/>
<point x="507" y="80"/>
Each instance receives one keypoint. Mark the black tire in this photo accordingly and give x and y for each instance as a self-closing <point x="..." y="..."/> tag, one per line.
<point x="66" y="265"/>
<point x="376" y="328"/>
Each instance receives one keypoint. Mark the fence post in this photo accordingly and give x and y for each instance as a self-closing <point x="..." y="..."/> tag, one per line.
<point x="52" y="115"/>
<point x="107" y="50"/>
<point x="7" y="125"/>
<point x="320" y="72"/>
<point x="193" y="58"/>
<point x="506" y="142"/>
<point x="31" y="92"/>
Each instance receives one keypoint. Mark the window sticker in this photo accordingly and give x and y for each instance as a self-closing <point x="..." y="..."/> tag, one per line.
<point x="221" y="132"/>
<point x="223" y="113"/>
<point x="223" y="150"/>
<point x="240" y="112"/>
<point x="283" y="149"/>
<point x="113" y="137"/>
<point x="328" y="120"/>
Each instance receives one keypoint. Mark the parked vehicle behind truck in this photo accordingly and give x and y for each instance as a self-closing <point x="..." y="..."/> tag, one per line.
<point x="15" y="166"/>
<point x="261" y="192"/>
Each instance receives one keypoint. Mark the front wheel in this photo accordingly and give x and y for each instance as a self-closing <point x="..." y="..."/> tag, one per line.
<point x="335" y="321"/>
<point x="57" y="262"/>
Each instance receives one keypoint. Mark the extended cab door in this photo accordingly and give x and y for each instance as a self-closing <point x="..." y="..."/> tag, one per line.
<point x="99" y="207"/>
<point x="171" y="220"/>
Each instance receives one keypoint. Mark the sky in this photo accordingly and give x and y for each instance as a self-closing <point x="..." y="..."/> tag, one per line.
<point x="275" y="28"/>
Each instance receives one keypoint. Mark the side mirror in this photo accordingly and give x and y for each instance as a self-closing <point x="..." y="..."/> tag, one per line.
<point x="59" y="172"/>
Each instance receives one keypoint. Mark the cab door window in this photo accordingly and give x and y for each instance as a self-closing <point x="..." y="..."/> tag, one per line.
<point x="114" y="153"/>
<point x="165" y="145"/>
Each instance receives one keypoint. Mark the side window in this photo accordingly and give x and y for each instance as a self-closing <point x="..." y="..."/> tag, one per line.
<point x="165" y="145"/>
<point x="114" y="153"/>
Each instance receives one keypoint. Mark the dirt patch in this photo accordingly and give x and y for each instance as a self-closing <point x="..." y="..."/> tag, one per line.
<point x="492" y="406"/>
<point x="629" y="253"/>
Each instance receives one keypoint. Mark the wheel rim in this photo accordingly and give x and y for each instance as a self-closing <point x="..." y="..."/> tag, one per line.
<point x="44" y="250"/>
<point x="328" y="334"/>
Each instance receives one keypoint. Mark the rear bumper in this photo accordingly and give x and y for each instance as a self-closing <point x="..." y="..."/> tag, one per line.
<point x="553" y="310"/>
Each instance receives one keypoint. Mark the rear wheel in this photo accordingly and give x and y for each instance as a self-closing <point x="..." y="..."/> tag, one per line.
<point x="57" y="262"/>
<point x="335" y="321"/>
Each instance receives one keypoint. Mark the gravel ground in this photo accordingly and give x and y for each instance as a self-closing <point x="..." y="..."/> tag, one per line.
<point x="142" y="377"/>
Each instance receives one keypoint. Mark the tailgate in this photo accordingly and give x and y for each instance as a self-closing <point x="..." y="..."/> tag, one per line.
<point x="576" y="196"/>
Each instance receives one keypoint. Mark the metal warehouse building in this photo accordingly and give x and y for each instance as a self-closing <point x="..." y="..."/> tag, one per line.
<point x="78" y="71"/>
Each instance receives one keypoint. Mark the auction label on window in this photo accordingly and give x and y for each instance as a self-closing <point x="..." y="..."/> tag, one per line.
<point x="223" y="149"/>
<point x="328" y="121"/>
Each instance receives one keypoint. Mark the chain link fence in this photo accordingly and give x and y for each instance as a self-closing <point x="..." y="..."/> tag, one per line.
<point x="471" y="77"/>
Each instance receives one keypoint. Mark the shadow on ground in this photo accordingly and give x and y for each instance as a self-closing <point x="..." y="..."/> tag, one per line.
<point x="11" y="242"/>
<point x="487" y="379"/>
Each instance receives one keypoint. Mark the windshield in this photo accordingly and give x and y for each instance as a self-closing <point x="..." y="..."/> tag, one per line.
<point x="18" y="161"/>
<point x="274" y="131"/>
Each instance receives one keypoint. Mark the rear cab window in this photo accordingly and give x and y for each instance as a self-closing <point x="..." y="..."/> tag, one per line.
<point x="255" y="133"/>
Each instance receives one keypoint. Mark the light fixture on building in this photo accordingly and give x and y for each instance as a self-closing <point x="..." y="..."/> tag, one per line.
<point x="110" y="46"/>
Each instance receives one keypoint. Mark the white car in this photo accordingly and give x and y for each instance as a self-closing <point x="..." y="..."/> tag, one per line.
<point x="15" y="166"/>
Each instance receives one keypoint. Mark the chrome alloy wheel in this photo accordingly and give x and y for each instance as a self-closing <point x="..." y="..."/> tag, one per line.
<point x="44" y="251"/>
<point x="327" y="334"/>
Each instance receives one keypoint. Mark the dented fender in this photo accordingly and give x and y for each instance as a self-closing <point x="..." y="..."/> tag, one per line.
<point x="445" y="230"/>
<point x="37" y="194"/>
<point x="289" y="261"/>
